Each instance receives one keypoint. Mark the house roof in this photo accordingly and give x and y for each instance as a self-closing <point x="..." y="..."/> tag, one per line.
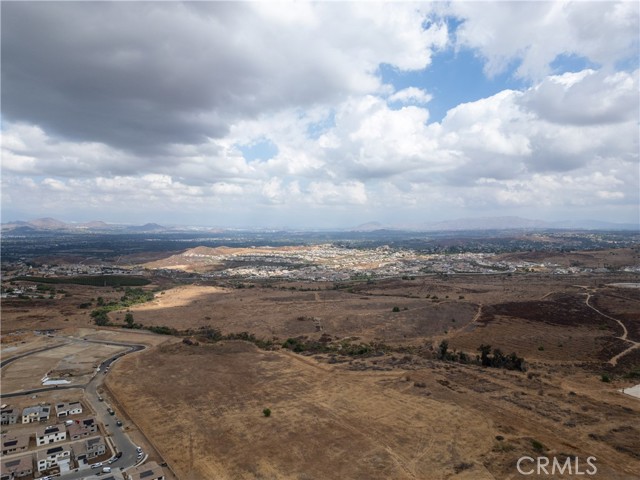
<point x="80" y="427"/>
<point x="50" y="452"/>
<point x="37" y="410"/>
<point x="19" y="464"/>
<point x="42" y="431"/>
<point x="147" y="471"/>
<point x="17" y="441"/>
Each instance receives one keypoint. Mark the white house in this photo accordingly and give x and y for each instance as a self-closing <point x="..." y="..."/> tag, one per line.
<point x="52" y="434"/>
<point x="51" y="457"/>
<point x="38" y="413"/>
<point x="65" y="409"/>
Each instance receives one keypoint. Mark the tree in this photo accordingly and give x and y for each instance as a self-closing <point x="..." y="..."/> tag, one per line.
<point x="101" y="319"/>
<point x="499" y="359"/>
<point x="128" y="319"/>
<point x="266" y="412"/>
<point x="442" y="349"/>
<point x="484" y="355"/>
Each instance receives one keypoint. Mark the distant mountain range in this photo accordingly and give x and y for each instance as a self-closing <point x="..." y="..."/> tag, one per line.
<point x="51" y="224"/>
<point x="467" y="224"/>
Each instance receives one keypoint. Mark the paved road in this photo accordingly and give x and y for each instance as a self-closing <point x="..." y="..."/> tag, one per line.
<point x="118" y="437"/>
<point x="40" y="390"/>
<point x="22" y="355"/>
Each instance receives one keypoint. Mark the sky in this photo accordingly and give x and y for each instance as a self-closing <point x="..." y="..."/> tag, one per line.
<point x="319" y="115"/>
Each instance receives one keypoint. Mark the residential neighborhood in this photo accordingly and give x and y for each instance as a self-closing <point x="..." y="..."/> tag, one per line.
<point x="79" y="443"/>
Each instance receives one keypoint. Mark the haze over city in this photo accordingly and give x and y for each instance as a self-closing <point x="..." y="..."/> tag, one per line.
<point x="319" y="114"/>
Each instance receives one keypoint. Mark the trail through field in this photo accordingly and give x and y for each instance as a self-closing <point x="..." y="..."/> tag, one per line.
<point x="625" y="333"/>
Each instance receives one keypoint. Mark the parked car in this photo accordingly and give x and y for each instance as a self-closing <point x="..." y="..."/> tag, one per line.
<point x="119" y="423"/>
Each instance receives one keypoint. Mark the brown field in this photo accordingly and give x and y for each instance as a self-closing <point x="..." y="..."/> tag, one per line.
<point x="392" y="415"/>
<point x="203" y="405"/>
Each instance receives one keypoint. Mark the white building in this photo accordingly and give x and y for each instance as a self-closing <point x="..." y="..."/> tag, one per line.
<point x="39" y="413"/>
<point x="68" y="408"/>
<point x="52" y="457"/>
<point x="52" y="434"/>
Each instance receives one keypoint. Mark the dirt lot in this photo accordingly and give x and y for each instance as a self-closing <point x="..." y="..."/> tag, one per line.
<point x="72" y="362"/>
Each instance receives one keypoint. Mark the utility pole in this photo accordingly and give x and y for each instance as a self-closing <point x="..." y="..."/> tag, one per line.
<point x="191" y="456"/>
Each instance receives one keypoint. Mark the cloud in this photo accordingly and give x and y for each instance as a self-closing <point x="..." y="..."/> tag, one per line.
<point x="411" y="95"/>
<point x="585" y="98"/>
<point x="140" y="76"/>
<point x="155" y="107"/>
<point x="534" y="34"/>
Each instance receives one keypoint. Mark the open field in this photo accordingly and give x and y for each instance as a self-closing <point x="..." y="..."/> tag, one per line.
<point x="388" y="416"/>
<point x="331" y="422"/>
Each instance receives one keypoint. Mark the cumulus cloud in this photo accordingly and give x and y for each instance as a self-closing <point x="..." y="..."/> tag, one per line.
<point x="411" y="95"/>
<point x="139" y="76"/>
<point x="534" y="34"/>
<point x="585" y="98"/>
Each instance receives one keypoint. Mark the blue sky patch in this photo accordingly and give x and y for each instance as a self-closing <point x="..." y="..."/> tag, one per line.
<point x="453" y="78"/>
<point x="260" y="150"/>
<point x="569" y="62"/>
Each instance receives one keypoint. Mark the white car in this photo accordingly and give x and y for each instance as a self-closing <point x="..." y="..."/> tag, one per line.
<point x="96" y="465"/>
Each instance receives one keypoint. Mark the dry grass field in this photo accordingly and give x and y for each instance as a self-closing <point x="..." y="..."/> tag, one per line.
<point x="203" y="406"/>
<point x="390" y="416"/>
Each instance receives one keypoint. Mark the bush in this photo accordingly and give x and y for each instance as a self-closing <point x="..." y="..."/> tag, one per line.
<point x="266" y="412"/>
<point x="537" y="446"/>
<point x="605" y="378"/>
<point x="395" y="309"/>
<point x="462" y="466"/>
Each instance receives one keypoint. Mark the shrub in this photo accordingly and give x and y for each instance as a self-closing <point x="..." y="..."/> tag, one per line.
<point x="395" y="309"/>
<point x="462" y="466"/>
<point x="266" y="412"/>
<point x="605" y="378"/>
<point x="537" y="446"/>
